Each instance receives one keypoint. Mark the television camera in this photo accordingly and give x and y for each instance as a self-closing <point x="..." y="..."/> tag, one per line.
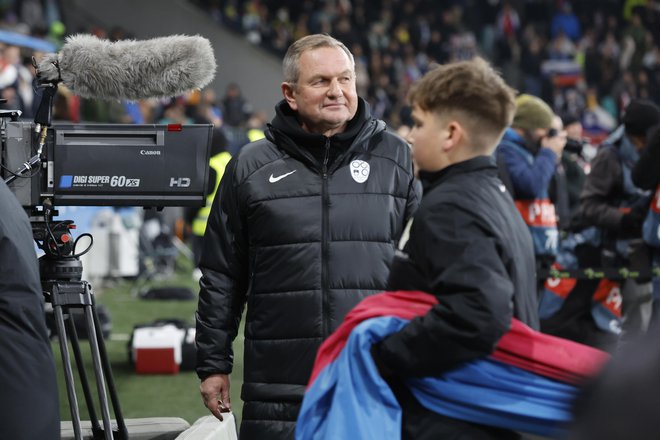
<point x="47" y="165"/>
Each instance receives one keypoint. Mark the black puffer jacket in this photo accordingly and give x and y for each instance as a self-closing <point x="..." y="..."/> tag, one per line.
<point x="27" y="369"/>
<point x="304" y="228"/>
<point x="469" y="247"/>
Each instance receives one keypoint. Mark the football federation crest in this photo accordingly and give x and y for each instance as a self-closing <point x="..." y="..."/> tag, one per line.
<point x="359" y="171"/>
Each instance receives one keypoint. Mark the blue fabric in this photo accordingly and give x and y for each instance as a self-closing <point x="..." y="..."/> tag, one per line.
<point x="568" y="23"/>
<point x="493" y="393"/>
<point x="545" y="240"/>
<point x="651" y="229"/>
<point x="349" y="399"/>
<point x="133" y="111"/>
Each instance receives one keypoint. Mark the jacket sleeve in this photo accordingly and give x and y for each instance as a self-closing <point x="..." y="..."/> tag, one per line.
<point x="529" y="180"/>
<point x="414" y="197"/>
<point x="224" y="266"/>
<point x="474" y="293"/>
<point x="596" y="208"/>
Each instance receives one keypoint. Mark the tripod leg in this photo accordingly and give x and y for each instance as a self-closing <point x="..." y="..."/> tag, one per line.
<point x="100" y="381"/>
<point x="66" y="360"/>
<point x="121" y="425"/>
<point x="96" y="427"/>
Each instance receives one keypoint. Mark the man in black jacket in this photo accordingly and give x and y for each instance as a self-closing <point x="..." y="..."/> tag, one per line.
<point x="467" y="243"/>
<point x="304" y="226"/>
<point x="29" y="407"/>
<point x="611" y="202"/>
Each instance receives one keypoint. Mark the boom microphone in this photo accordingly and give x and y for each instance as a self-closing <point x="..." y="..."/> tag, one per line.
<point x="130" y="69"/>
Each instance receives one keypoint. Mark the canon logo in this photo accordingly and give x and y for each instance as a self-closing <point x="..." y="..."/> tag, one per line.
<point x="149" y="152"/>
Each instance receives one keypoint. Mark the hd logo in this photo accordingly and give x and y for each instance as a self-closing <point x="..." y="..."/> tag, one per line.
<point x="179" y="182"/>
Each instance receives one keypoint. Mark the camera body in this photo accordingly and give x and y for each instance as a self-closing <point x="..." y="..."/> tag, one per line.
<point x="108" y="164"/>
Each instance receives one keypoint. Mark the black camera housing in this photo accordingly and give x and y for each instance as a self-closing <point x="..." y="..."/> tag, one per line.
<point x="109" y="164"/>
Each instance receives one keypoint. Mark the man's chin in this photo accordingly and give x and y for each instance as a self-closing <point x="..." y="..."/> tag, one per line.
<point x="338" y="117"/>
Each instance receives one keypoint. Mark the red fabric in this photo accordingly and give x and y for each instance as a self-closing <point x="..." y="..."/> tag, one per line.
<point x="546" y="355"/>
<point x="549" y="356"/>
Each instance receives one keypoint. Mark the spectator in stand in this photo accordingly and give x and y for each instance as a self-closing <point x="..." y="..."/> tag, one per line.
<point x="235" y="113"/>
<point x="567" y="22"/>
<point x="636" y="32"/>
<point x="9" y="82"/>
<point x="503" y="29"/>
<point x="235" y="108"/>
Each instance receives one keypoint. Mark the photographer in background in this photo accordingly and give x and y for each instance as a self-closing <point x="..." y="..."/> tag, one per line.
<point x="528" y="158"/>
<point x="611" y="202"/>
<point x="29" y="407"/>
<point x="571" y="170"/>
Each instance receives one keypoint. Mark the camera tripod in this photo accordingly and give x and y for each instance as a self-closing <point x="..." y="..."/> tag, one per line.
<point x="61" y="273"/>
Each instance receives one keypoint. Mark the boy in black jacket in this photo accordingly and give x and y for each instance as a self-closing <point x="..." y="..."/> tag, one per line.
<point x="467" y="244"/>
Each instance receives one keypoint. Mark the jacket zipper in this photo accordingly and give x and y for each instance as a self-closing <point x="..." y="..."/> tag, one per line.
<point x="325" y="233"/>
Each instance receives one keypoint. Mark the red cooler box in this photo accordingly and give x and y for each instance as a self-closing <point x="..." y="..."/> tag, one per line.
<point x="157" y="350"/>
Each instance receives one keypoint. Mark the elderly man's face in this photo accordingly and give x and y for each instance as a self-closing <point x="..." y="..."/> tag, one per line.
<point x="324" y="96"/>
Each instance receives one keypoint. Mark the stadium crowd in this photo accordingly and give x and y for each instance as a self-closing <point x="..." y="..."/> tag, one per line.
<point x="586" y="72"/>
<point x="587" y="60"/>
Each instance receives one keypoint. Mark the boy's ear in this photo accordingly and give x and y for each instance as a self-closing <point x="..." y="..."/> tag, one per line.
<point x="455" y="135"/>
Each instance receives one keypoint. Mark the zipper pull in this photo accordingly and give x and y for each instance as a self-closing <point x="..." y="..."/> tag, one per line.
<point x="326" y="157"/>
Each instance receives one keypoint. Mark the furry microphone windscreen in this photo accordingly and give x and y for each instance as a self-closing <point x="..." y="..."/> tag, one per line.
<point x="131" y="69"/>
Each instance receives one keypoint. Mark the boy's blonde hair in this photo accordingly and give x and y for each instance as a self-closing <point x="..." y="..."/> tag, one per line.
<point x="473" y="93"/>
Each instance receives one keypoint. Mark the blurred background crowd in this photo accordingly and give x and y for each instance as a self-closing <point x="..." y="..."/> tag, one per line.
<point x="588" y="59"/>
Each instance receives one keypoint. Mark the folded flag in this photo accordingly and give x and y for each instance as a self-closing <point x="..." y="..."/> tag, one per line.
<point x="527" y="384"/>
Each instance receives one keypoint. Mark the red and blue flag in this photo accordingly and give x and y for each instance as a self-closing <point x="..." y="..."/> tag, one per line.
<point x="527" y="384"/>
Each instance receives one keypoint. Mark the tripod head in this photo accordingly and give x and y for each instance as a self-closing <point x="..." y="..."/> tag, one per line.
<point x="60" y="261"/>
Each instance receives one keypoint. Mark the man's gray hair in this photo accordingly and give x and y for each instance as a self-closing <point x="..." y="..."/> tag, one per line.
<point x="291" y="63"/>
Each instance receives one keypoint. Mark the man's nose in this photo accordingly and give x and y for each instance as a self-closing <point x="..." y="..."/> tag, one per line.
<point x="334" y="89"/>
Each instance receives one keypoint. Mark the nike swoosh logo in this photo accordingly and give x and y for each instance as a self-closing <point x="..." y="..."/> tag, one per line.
<point x="272" y="179"/>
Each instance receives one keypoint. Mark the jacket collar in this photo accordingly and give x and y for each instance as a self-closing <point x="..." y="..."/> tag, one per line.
<point x="286" y="132"/>
<point x="432" y="179"/>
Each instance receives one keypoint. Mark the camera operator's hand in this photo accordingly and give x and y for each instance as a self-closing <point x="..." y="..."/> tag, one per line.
<point x="215" y="394"/>
<point x="555" y="142"/>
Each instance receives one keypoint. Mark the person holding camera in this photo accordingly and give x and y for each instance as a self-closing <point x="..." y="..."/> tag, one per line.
<point x="572" y="165"/>
<point x="616" y="207"/>
<point x="528" y="157"/>
<point x="29" y="405"/>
